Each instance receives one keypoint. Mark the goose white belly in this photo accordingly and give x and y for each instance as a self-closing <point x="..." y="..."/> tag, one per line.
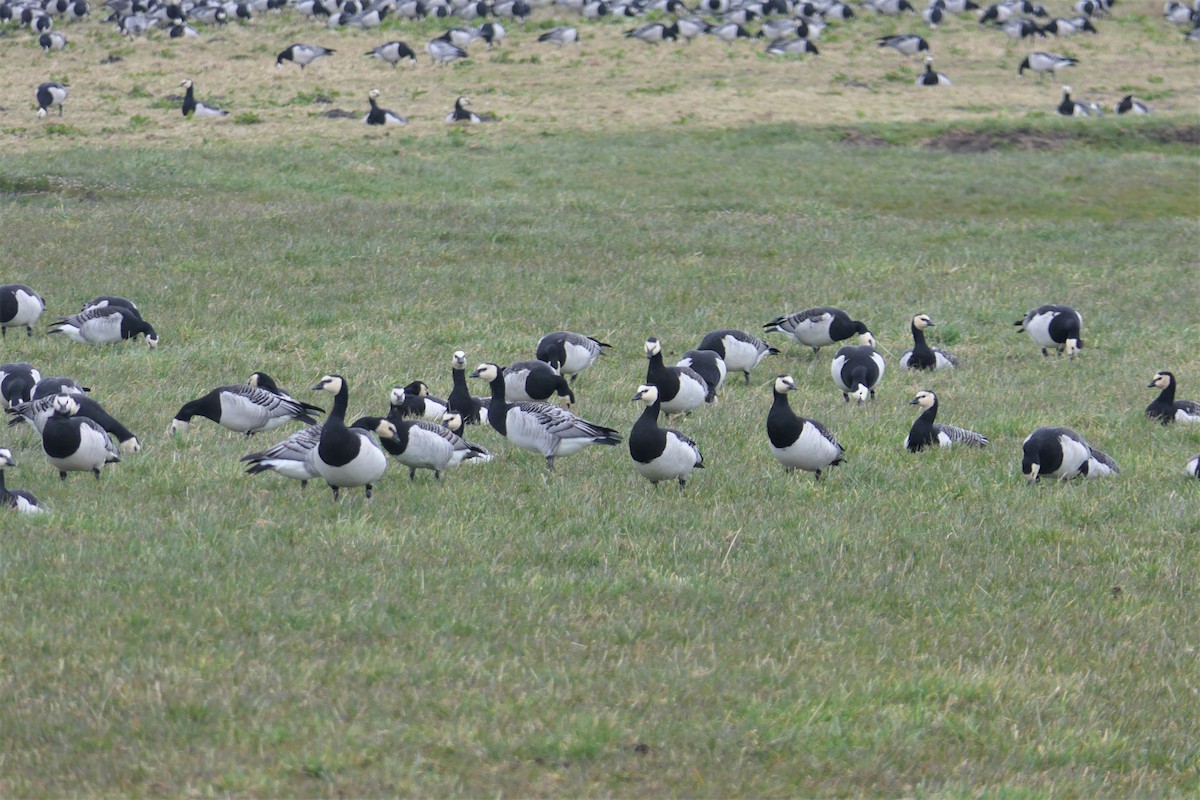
<point x="742" y="356"/>
<point x="241" y="414"/>
<point x="689" y="397"/>
<point x="426" y="450"/>
<point x="1074" y="455"/>
<point x="29" y="309"/>
<point x="366" y="467"/>
<point x="1038" y="329"/>
<point x="92" y="453"/>
<point x="811" y="450"/>
<point x="678" y="459"/>
<point x="578" y="357"/>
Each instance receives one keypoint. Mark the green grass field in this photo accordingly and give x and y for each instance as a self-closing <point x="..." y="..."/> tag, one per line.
<point x="916" y="625"/>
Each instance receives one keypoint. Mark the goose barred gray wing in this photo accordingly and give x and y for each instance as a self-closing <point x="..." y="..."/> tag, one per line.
<point x="289" y="457"/>
<point x="961" y="435"/>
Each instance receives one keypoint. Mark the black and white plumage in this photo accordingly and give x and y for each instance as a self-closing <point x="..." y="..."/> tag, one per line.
<point x="1054" y="452"/>
<point x="560" y="36"/>
<point x="781" y="47"/>
<point x="654" y="32"/>
<point x="49" y="95"/>
<point x="347" y="457"/>
<point x="1054" y="326"/>
<point x="302" y="54"/>
<point x="493" y="33"/>
<point x="709" y="366"/>
<point x="932" y="78"/>
<point x="414" y="400"/>
<point x="908" y="44"/>
<point x="48" y="387"/>
<point x="727" y="32"/>
<point x="570" y="352"/>
<point x="460" y="37"/>
<point x="75" y="443"/>
<point x="421" y="444"/>
<point x="1193" y="467"/>
<point x="540" y="427"/>
<point x="393" y="53"/>
<point x="889" y="8"/>
<point x="926" y="431"/>
<point x="244" y="409"/>
<point x="1021" y="28"/>
<point x="798" y="442"/>
<point x="461" y="113"/>
<point x="817" y="327"/>
<point x="660" y="454"/>
<point x="473" y="410"/>
<point x="290" y="458"/>
<point x="21" y="500"/>
<point x="1072" y="108"/>
<point x="443" y="52"/>
<point x="740" y="350"/>
<point x="193" y="107"/>
<point x="39" y="409"/>
<point x="52" y="40"/>
<point x="1069" y="27"/>
<point x="17" y="381"/>
<point x="19" y="305"/>
<point x="857" y="369"/>
<point x="106" y="300"/>
<point x="264" y="381"/>
<point x="923" y="355"/>
<point x="183" y="31"/>
<point x="382" y="116"/>
<point x="531" y="381"/>
<point x="105" y="325"/>
<point x="1043" y="63"/>
<point x="1165" y="408"/>
<point x="454" y="421"/>
<point x="681" y="390"/>
<point x="1130" y="106"/>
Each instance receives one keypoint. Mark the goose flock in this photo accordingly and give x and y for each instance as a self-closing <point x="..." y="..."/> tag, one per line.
<point x="422" y="431"/>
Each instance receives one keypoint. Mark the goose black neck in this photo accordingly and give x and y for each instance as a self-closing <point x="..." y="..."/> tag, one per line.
<point x="1167" y="395"/>
<point x="340" y="401"/>
<point x="498" y="408"/>
<point x="918" y="336"/>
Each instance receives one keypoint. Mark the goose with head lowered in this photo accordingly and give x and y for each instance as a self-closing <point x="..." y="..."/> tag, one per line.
<point x="21" y="500"/>
<point x="857" y="369"/>
<point x="1165" y="408"/>
<point x="1054" y="326"/>
<point x="1130" y="106"/>
<point x="681" y="390"/>
<point x="347" y="457"/>
<point x="244" y="409"/>
<point x="106" y="300"/>
<point x="908" y="44"/>
<point x="1057" y="452"/>
<point x="393" y="53"/>
<point x="571" y="352"/>
<point x="17" y="381"/>
<point x="414" y="400"/>
<point x="1043" y="63"/>
<point x="560" y="36"/>
<point x="302" y="54"/>
<point x="540" y="427"/>
<point x="817" y="327"/>
<point x="709" y="366"/>
<point x="922" y="355"/>
<point x="49" y="95"/>
<point x="38" y="410"/>
<point x="473" y="410"/>
<point x="421" y="444"/>
<point x="105" y="325"/>
<point x="926" y="431"/>
<point x="741" y="351"/>
<point x="19" y="306"/>
<point x="535" y="381"/>
<point x="74" y="443"/>
<point x="660" y="454"/>
<point x="798" y="442"/>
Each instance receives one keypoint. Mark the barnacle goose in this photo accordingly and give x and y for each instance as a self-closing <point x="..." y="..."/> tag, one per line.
<point x="560" y="36"/>
<point x="681" y="390"/>
<point x="927" y="432"/>
<point x="17" y="381"/>
<point x="709" y="366"/>
<point x="48" y="387"/>
<point x="264" y="381"/>
<point x="473" y="410"/>
<point x="290" y="458"/>
<point x="922" y="355"/>
<point x="19" y="499"/>
<point x="50" y="94"/>
<point x="493" y="33"/>
<point x="193" y="107"/>
<point x="741" y="350"/>
<point x="74" y="443"/>
<point x="414" y="400"/>
<point x="393" y="53"/>
<point x="1021" y="28"/>
<point x="1054" y="326"/>
<point x="1062" y="453"/>
<point x="1042" y="62"/>
<point x="797" y="442"/>
<point x="535" y="381"/>
<point x="38" y="410"/>
<point x="347" y="457"/>
<point x="105" y="325"/>
<point x="1193" y="467"/>
<point x="52" y="40"/>
<point x="931" y="78"/>
<point x="106" y="300"/>
<point x="933" y="15"/>
<point x="302" y="54"/>
<point x="182" y="31"/>
<point x="1165" y="408"/>
<point x="571" y="352"/>
<point x="1130" y="106"/>
<point x="382" y="116"/>
<point x="908" y="44"/>
<point x="660" y="454"/>
<point x="443" y="52"/>
<point x="460" y="37"/>
<point x="857" y="369"/>
<point x="889" y="8"/>
<point x="461" y="113"/>
<point x="421" y="444"/>
<point x="728" y="32"/>
<point x="1072" y="108"/>
<point x="19" y="305"/>
<point x="654" y="32"/>
<point x="540" y="427"/>
<point x="781" y="47"/>
<point x="244" y="409"/>
<point x="454" y="421"/>
<point x="1069" y="27"/>
<point x="817" y="327"/>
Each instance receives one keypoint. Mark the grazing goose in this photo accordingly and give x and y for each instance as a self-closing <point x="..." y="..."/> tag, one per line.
<point x="571" y="352"/>
<point x="473" y="410"/>
<point x="1130" y="106"/>
<point x="797" y="442"/>
<point x="660" y="454"/>
<point x="927" y="432"/>
<point x="347" y="457"/>
<point x="1069" y="27"/>
<point x="1062" y="453"/>
<point x="740" y="350"/>
<point x="1072" y="108"/>
<point x="52" y="40"/>
<point x="463" y="114"/>
<point x="19" y="305"/>
<point x="302" y="54"/>
<point x="1165" y="408"/>
<point x="381" y="116"/>
<point x="654" y="33"/>
<point x="1193" y="467"/>
<point x="817" y="327"/>
<point x="38" y="410"/>
<point x="49" y="95"/>
<point x="106" y="300"/>
<point x="192" y="107"/>
<point x="728" y="32"/>
<point x="105" y="325"/>
<point x="393" y="53"/>
<point x="1054" y="326"/>
<point x="857" y="369"/>
<point x="1042" y="63"/>
<point x="1021" y="28"/>
<point x="74" y="443"/>
<point x="290" y="458"/>
<point x="264" y="381"/>
<point x="414" y="400"/>
<point x="890" y="8"/>
<point x="183" y="31"/>
<point x="934" y="15"/>
<point x="560" y="36"/>
<point x="492" y="32"/>
<point x="781" y="47"/>
<point x="460" y="37"/>
<point x="931" y="78"/>
<point x="922" y="356"/>
<point x="908" y="44"/>
<point x="540" y="427"/>
<point x="48" y="387"/>
<point x="681" y="390"/>
<point x="19" y="499"/>
<point x="454" y="421"/>
<point x="17" y="381"/>
<point x="531" y="381"/>
<point x="443" y="52"/>
<point x="421" y="444"/>
<point x="243" y="409"/>
<point x="709" y="366"/>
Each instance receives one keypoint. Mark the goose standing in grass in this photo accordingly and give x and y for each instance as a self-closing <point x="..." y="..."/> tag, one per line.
<point x="560" y="36"/>
<point x="931" y="78"/>
<point x="17" y="381"/>
<point x="393" y="53"/>
<point x="926" y="431"/>
<point x="857" y="369"/>
<point x="797" y="442"/>
<point x="414" y="400"/>
<point x="74" y="443"/>
<point x="302" y="54"/>
<point x="49" y="95"/>
<point x="728" y="32"/>
<point x="347" y="457"/>
<point x="781" y="47"/>
<point x="461" y="113"/>
<point x="571" y="353"/>
<point x="540" y="427"/>
<point x="19" y="305"/>
<point x="473" y="410"/>
<point x="493" y="33"/>
<point x="709" y="366"/>
<point x="243" y="409"/>
<point x="421" y="444"/>
<point x="1043" y="63"/>
<point x="908" y="44"/>
<point x="1053" y="452"/>
<point x="1130" y="106"/>
<point x="1193" y="467"/>
<point x="381" y="116"/>
<point x="740" y="350"/>
<point x="193" y="107"/>
<point x="532" y="381"/>
<point x="38" y="410"/>
<point x="1165" y="408"/>
<point x="52" y="40"/>
<point x="1054" y="326"/>
<point x="105" y="325"/>
<point x="660" y="454"/>
<point x="1069" y="27"/>
<point x="21" y="500"/>
<point x="654" y="32"/>
<point x="290" y="458"/>
<point x="443" y="52"/>
<point x="681" y="390"/>
<point x="817" y="327"/>
<point x="922" y="355"/>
